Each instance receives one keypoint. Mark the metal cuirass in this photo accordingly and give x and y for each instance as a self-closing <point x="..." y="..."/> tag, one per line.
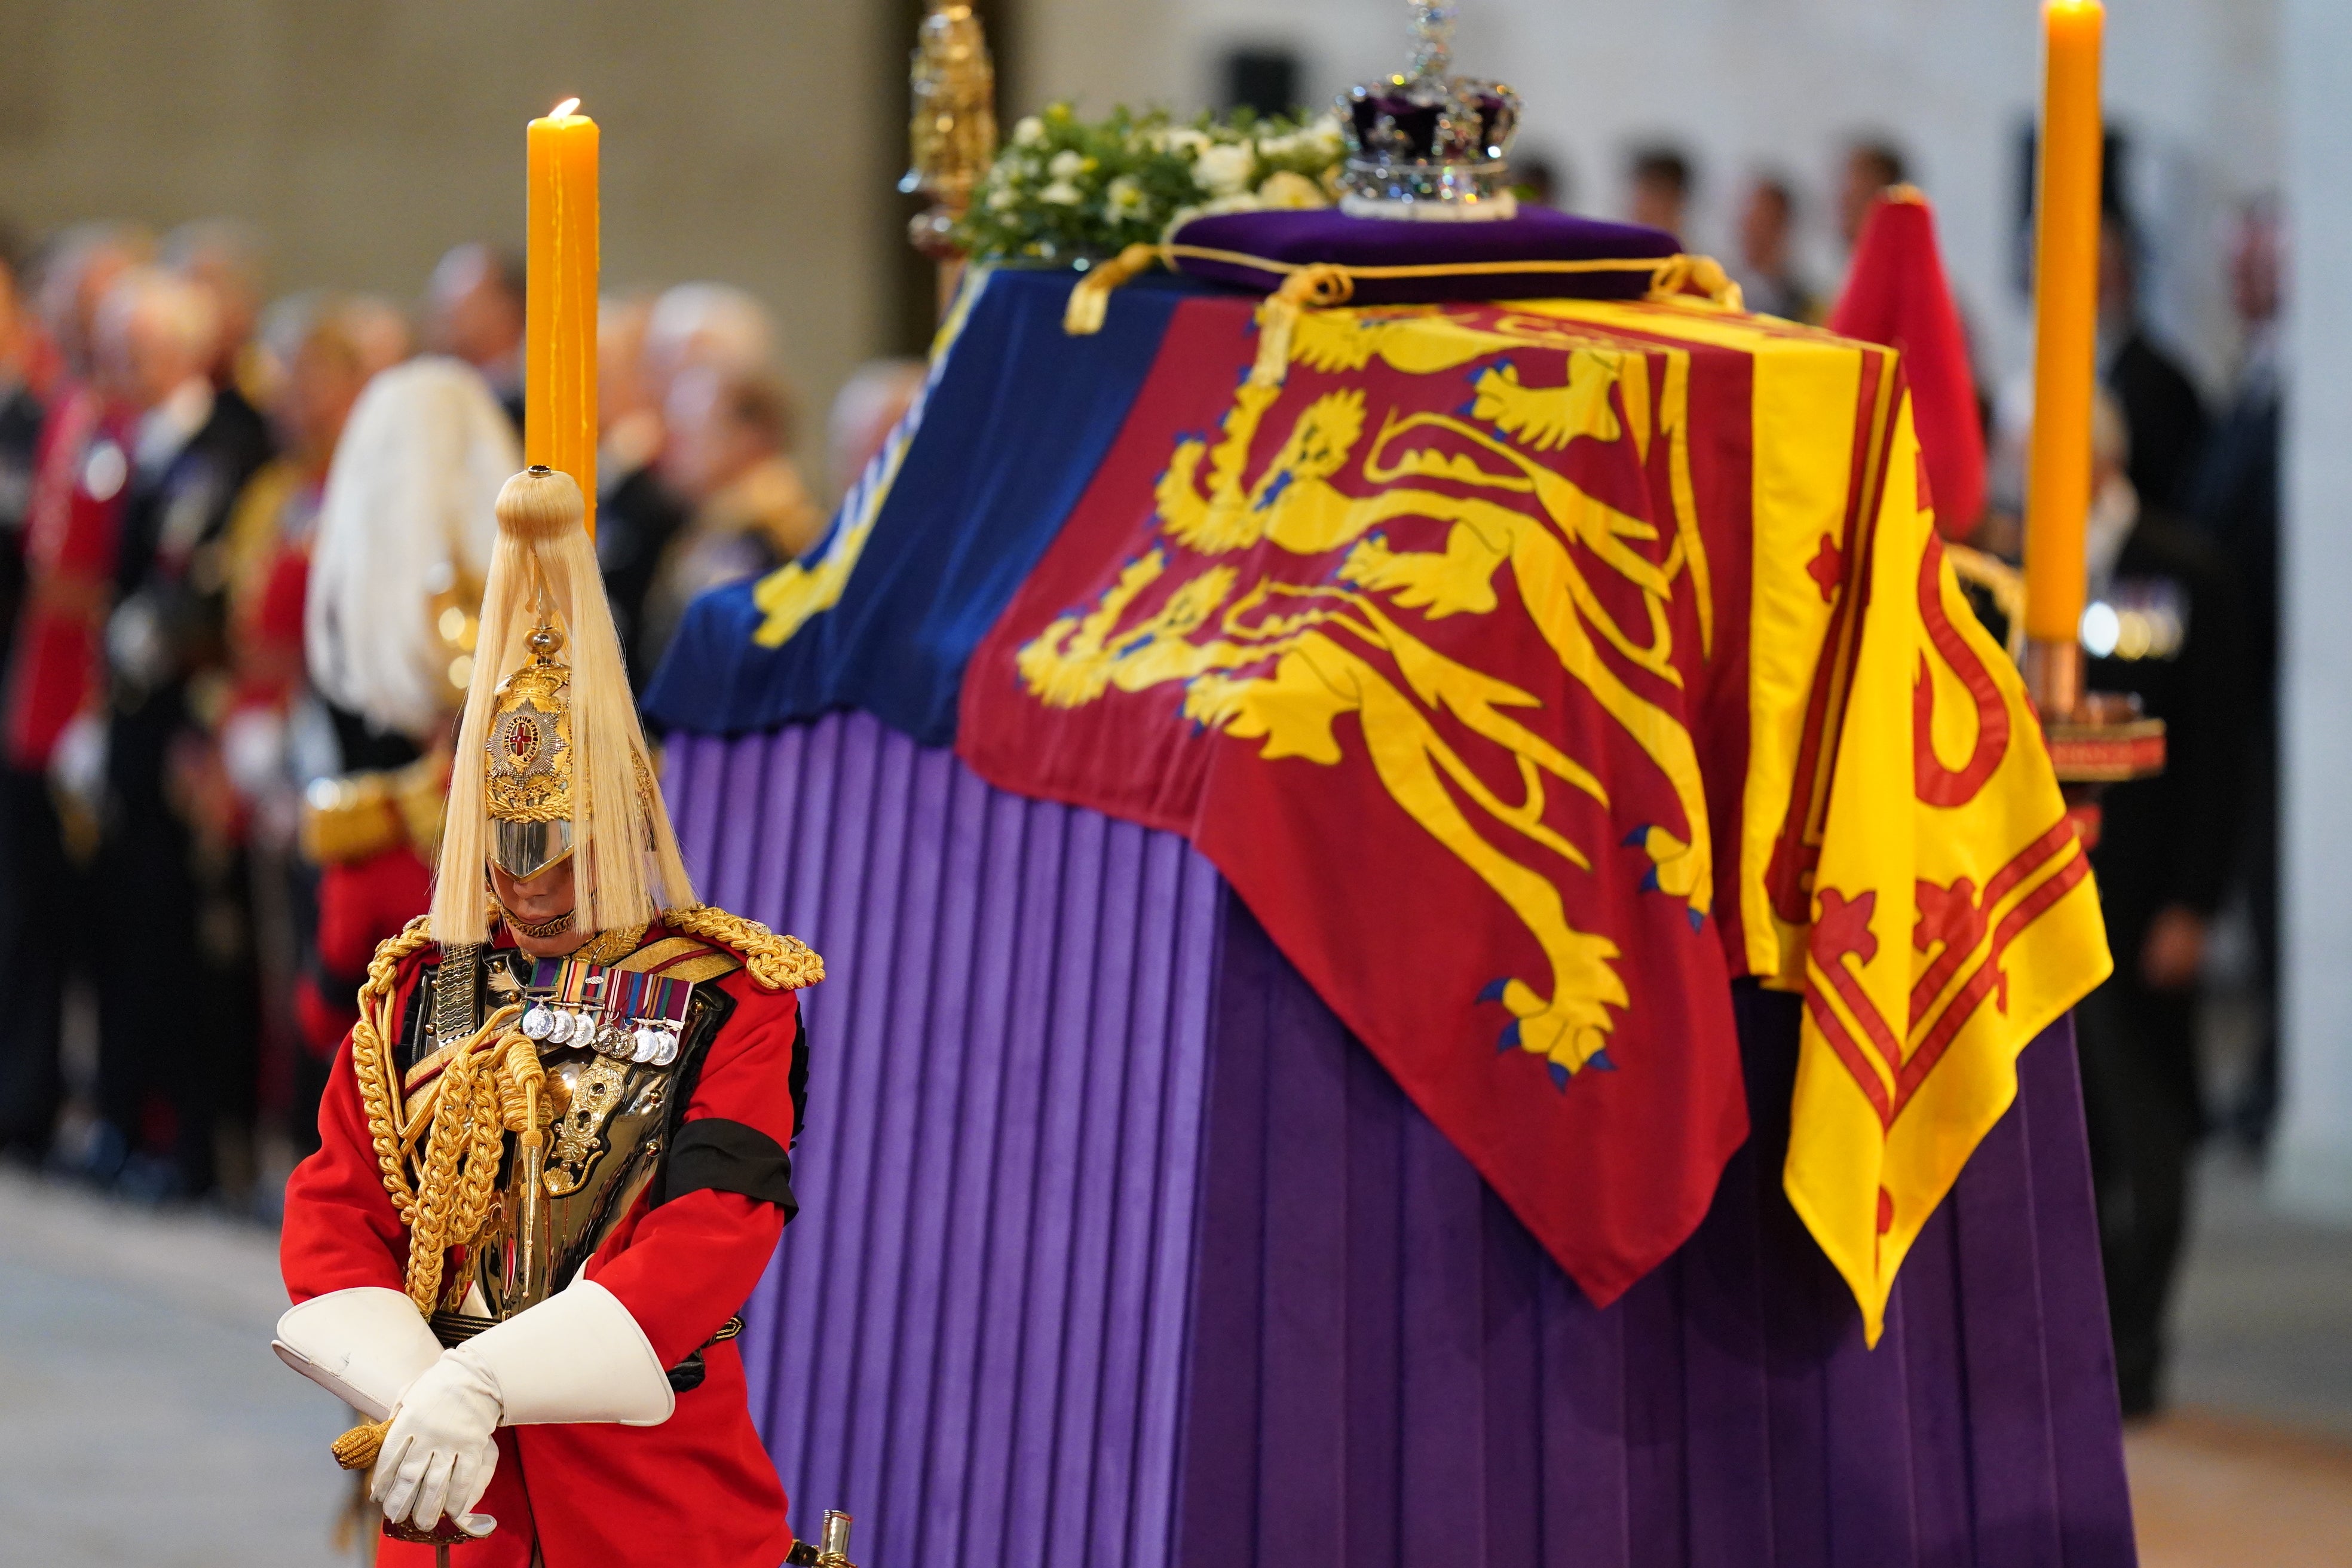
<point x="612" y="1121"/>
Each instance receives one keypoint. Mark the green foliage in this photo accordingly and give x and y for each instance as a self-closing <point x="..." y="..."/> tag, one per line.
<point x="1066" y="190"/>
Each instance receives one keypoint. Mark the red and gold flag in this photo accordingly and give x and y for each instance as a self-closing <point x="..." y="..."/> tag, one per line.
<point x="1532" y="669"/>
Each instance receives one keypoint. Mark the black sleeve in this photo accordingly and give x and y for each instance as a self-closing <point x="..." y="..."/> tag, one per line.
<point x="715" y="1155"/>
<point x="2206" y="750"/>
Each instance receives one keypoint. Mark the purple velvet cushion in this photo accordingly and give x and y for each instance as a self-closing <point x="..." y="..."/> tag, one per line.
<point x="1537" y="234"/>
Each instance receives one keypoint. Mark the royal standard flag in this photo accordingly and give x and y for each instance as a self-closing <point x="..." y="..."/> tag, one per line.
<point x="1531" y="671"/>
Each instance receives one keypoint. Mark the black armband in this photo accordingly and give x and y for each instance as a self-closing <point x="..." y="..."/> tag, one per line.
<point x="713" y="1153"/>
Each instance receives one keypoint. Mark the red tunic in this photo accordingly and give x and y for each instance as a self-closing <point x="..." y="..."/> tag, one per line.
<point x="697" y="1491"/>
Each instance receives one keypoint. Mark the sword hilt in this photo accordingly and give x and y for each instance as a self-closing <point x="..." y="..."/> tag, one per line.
<point x="830" y="1550"/>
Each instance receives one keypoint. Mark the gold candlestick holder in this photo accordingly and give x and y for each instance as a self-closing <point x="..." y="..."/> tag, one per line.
<point x="952" y="135"/>
<point x="2094" y="738"/>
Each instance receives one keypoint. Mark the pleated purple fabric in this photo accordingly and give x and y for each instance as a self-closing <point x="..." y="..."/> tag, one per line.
<point x="1116" y="1249"/>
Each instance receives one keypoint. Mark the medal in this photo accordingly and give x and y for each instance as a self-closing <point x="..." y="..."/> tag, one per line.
<point x="612" y="1040"/>
<point x="538" y="1023"/>
<point x="648" y="1039"/>
<point x="559" y="1026"/>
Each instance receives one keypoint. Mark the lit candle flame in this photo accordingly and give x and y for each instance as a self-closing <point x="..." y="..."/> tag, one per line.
<point x="566" y="107"/>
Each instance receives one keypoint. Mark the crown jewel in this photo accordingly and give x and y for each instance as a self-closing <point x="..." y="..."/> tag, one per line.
<point x="1426" y="145"/>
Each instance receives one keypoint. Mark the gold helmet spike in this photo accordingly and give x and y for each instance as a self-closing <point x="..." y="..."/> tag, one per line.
<point x="552" y="761"/>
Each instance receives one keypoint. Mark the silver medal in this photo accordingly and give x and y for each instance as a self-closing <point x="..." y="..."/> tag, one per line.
<point x="668" y="1052"/>
<point x="538" y="1023"/>
<point x="648" y="1043"/>
<point x="614" y="1041"/>
<point x="559" y="1026"/>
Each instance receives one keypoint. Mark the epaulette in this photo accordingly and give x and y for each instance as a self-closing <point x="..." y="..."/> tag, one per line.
<point x="776" y="962"/>
<point x="359" y="815"/>
<point x="398" y="948"/>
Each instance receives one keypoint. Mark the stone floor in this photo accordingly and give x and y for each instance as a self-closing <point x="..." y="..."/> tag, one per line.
<point x="143" y="1420"/>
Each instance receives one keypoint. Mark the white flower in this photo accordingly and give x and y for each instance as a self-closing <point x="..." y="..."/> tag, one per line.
<point x="1003" y="200"/>
<point x="1061" y="193"/>
<point x="1122" y="196"/>
<point x="1065" y="163"/>
<point x="1280" y="146"/>
<point x="1223" y="171"/>
<point x="1028" y="130"/>
<point x="1284" y="188"/>
<point x="1183" y="139"/>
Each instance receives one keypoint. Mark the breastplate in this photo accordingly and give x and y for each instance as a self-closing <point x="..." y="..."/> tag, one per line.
<point x="610" y="1121"/>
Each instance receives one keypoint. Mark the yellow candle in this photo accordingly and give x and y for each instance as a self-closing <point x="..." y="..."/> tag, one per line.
<point x="559" y="421"/>
<point x="2065" y="321"/>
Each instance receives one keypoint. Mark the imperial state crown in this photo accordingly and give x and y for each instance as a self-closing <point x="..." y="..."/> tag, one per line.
<point x="1426" y="145"/>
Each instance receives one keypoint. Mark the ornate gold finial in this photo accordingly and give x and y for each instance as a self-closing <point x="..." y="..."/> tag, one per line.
<point x="952" y="134"/>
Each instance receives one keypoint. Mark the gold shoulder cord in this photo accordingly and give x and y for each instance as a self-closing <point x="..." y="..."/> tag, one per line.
<point x="491" y="1087"/>
<point x="776" y="962"/>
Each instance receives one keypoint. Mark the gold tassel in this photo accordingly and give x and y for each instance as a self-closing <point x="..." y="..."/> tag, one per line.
<point x="1690" y="274"/>
<point x="357" y="1449"/>
<point x="1090" y="297"/>
<point x="1318" y="286"/>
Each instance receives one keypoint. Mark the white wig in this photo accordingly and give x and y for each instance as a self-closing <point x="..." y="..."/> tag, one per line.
<point x="409" y="513"/>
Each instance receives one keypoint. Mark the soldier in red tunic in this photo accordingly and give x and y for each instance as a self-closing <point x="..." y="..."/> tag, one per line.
<point x="555" y="1145"/>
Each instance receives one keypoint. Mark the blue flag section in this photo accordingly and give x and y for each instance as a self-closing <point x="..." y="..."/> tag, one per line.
<point x="941" y="528"/>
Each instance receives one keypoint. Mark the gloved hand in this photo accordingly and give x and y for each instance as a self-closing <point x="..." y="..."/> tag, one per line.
<point x="576" y="1356"/>
<point x="364" y="1345"/>
<point x="441" y="1452"/>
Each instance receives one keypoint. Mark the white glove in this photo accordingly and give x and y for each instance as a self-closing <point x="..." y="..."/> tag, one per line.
<point x="440" y="1453"/>
<point x="576" y="1356"/>
<point x="363" y="1345"/>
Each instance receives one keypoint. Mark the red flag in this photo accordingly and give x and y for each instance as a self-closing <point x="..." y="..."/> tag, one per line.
<point x="1897" y="295"/>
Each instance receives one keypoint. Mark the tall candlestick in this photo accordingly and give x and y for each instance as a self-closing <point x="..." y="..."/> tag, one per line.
<point x="2065" y="329"/>
<point x="559" y="421"/>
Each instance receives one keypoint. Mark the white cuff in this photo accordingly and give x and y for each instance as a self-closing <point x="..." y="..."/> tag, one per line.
<point x="576" y="1356"/>
<point x="363" y="1345"/>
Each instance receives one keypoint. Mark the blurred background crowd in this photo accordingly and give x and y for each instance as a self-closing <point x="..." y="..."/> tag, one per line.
<point x="165" y="446"/>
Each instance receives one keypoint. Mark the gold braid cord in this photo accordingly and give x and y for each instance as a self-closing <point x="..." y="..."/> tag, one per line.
<point x="491" y="1086"/>
<point x="776" y="962"/>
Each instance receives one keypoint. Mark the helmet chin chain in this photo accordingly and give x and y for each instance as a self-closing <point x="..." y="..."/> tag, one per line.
<point x="554" y="926"/>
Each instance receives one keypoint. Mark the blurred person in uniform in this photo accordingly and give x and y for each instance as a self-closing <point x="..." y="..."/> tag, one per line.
<point x="475" y="312"/>
<point x="1871" y="166"/>
<point x="2235" y="496"/>
<point x="380" y="331"/>
<point x="82" y="470"/>
<point x="865" y="411"/>
<point x="307" y="368"/>
<point x="397" y="562"/>
<point x="20" y="432"/>
<point x="225" y="258"/>
<point x="2162" y="414"/>
<point x="702" y="325"/>
<point x="1768" y="262"/>
<point x="2167" y="624"/>
<point x="1658" y="182"/>
<point x="175" y="1054"/>
<point x="637" y="512"/>
<point x="729" y="455"/>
